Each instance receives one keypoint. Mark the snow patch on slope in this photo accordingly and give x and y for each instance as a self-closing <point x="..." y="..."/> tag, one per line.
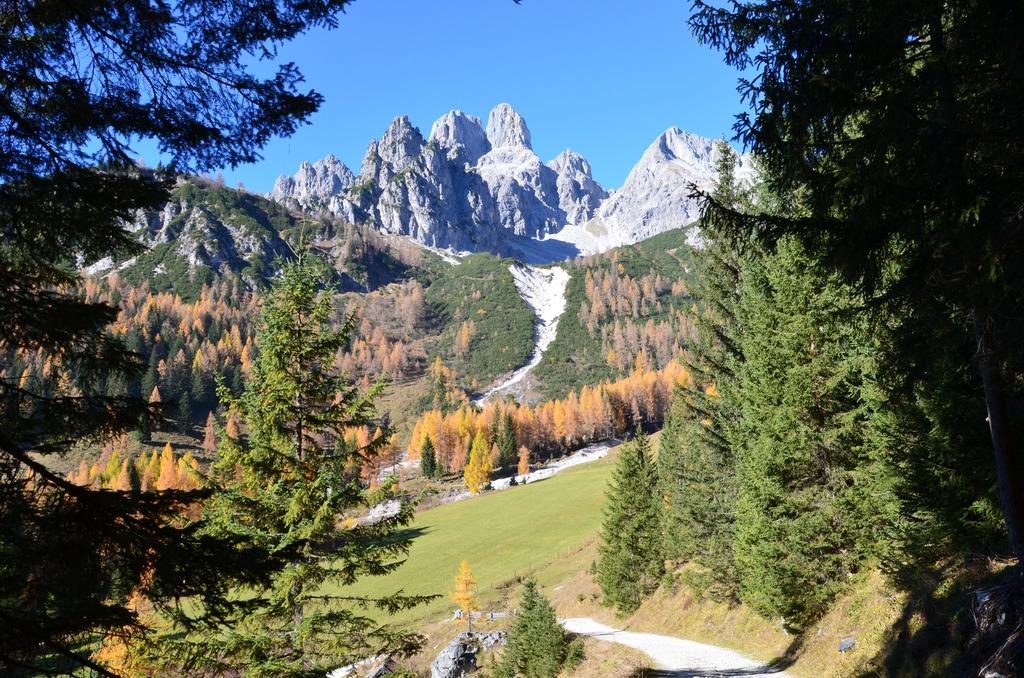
<point x="543" y="290"/>
<point x="584" y="455"/>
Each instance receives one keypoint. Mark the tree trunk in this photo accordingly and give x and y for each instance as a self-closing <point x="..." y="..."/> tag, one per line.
<point x="1007" y="454"/>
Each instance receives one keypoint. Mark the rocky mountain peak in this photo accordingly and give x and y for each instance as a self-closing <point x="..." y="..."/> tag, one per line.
<point x="578" y="194"/>
<point x="570" y="162"/>
<point x="461" y="135"/>
<point x="505" y="127"/>
<point x="314" y="182"/>
<point x="676" y="145"/>
<point x="401" y="143"/>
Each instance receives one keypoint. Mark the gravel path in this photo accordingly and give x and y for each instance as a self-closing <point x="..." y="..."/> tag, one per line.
<point x="675" y="656"/>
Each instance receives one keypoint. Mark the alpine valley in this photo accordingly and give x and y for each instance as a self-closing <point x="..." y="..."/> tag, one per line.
<point x="452" y="406"/>
<point x="461" y="250"/>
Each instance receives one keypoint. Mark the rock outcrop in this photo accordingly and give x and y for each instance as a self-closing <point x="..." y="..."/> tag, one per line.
<point x="459" y="657"/>
<point x="524" y="189"/>
<point x="578" y="194"/>
<point x="314" y="184"/>
<point x="204" y="231"/>
<point x="461" y="135"/>
<point x="425" y="190"/>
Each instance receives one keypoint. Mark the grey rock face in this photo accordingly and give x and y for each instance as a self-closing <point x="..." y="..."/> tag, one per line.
<point x="401" y="144"/>
<point x="458" y="658"/>
<point x="202" y="236"/>
<point x="578" y="194"/>
<point x="505" y="127"/>
<point x="424" y="190"/>
<point x="463" y="189"/>
<point x="655" y="197"/>
<point x="524" y="189"/>
<point x="314" y="184"/>
<point x="468" y="189"/>
<point x="461" y="135"/>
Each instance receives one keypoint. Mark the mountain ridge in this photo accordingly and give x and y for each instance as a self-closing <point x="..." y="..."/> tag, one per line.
<point x="469" y="189"/>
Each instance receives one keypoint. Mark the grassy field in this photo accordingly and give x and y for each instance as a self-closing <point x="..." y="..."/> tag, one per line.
<point x="531" y="529"/>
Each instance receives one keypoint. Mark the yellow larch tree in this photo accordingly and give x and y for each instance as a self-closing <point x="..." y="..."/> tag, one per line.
<point x="123" y="481"/>
<point x="477" y="473"/>
<point x="151" y="473"/>
<point x="210" y="434"/>
<point x="168" y="478"/>
<point x="524" y="461"/>
<point x="464" y="594"/>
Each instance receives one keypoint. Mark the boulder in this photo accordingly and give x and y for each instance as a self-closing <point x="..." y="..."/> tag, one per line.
<point x="458" y="658"/>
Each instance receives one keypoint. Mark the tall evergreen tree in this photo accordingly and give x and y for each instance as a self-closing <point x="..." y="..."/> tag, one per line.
<point x="428" y="459"/>
<point x="286" y="489"/>
<point x="184" y="415"/>
<point x="506" y="442"/>
<point x="537" y="643"/>
<point x="815" y="500"/>
<point x="629" y="565"/>
<point x="696" y="455"/>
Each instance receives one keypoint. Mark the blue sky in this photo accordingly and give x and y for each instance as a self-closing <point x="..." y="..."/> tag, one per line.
<point x="601" y="77"/>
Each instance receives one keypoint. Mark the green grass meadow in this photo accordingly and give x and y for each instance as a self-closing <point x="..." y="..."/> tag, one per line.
<point x="515" y="532"/>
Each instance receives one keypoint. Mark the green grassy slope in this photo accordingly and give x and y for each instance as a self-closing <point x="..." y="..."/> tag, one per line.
<point x="506" y="534"/>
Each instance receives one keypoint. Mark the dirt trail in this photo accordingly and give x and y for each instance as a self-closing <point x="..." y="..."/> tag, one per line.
<point x="676" y="656"/>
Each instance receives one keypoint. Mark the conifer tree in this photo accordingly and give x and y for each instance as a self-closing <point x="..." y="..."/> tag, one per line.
<point x="896" y="132"/>
<point x="127" y="479"/>
<point x="187" y="471"/>
<point x="184" y="415"/>
<point x="537" y="645"/>
<point x="167" y="478"/>
<point x="152" y="472"/>
<point x="122" y="483"/>
<point x="506" y="442"/>
<point x="464" y="593"/>
<point x="696" y="456"/>
<point x="80" y="89"/>
<point x="428" y="460"/>
<point x="477" y="473"/>
<point x="814" y="499"/>
<point x="524" y="461"/>
<point x="112" y="468"/>
<point x="210" y="434"/>
<point x="629" y="565"/>
<point x="286" y="488"/>
<point x="81" y="477"/>
<point x="232" y="428"/>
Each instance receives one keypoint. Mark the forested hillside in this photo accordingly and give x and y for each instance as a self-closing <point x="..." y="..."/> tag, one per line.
<point x="188" y="305"/>
<point x="626" y="309"/>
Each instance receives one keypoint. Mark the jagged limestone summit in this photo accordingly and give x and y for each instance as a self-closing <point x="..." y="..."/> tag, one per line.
<point x="467" y="188"/>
